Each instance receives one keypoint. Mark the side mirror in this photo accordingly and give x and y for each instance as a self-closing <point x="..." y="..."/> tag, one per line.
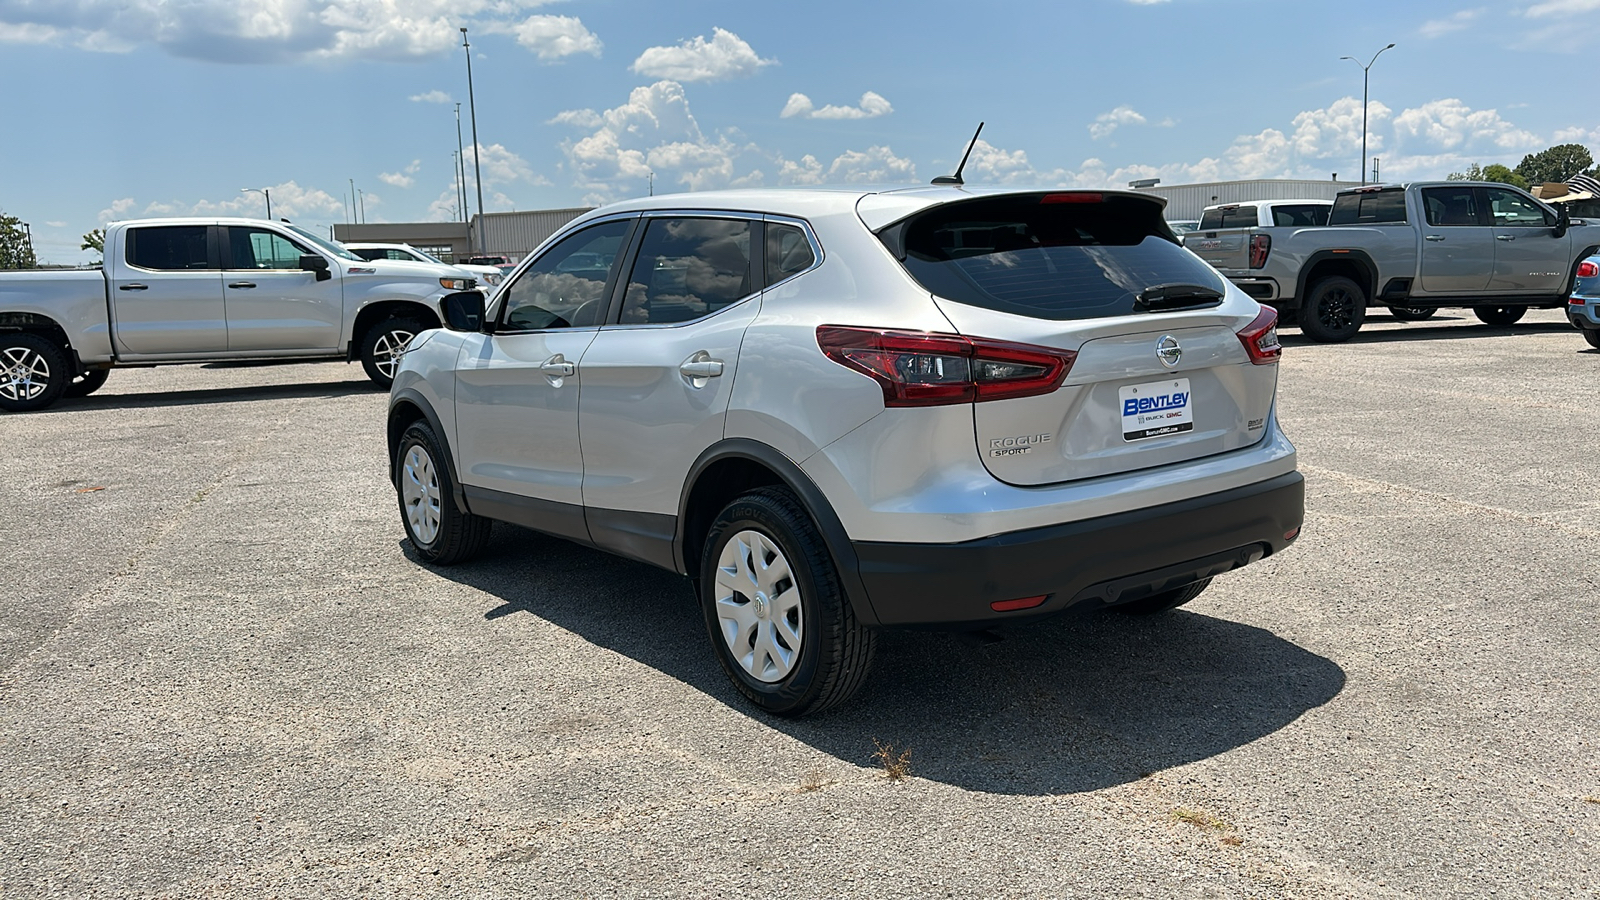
<point x="1563" y="220"/>
<point x="463" y="311"/>
<point x="311" y="262"/>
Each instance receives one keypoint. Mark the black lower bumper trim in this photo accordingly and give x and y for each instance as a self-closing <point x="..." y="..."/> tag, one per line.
<point x="1102" y="561"/>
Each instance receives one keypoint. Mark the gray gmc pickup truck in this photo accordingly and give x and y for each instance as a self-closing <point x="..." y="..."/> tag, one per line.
<point x="1413" y="248"/>
<point x="203" y="290"/>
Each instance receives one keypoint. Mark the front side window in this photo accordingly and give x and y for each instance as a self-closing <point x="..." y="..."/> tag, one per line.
<point x="565" y="288"/>
<point x="168" y="248"/>
<point x="258" y="248"/>
<point x="1514" y="210"/>
<point x="688" y="268"/>
<point x="788" y="251"/>
<point x="1451" y="206"/>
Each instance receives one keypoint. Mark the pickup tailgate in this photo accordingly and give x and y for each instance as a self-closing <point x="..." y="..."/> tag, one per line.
<point x="1223" y="248"/>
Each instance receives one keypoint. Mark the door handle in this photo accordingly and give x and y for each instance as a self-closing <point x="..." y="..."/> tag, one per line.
<point x="700" y="368"/>
<point x="557" y="367"/>
<point x="133" y="287"/>
<point x="1505" y="237"/>
<point x="1433" y="237"/>
<point x="242" y="284"/>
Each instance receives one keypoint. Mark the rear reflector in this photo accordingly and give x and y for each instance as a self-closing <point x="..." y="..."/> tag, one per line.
<point x="920" y="368"/>
<point x="1260" y="246"/>
<point x="1074" y="197"/>
<point x="1291" y="534"/>
<point x="1588" y="269"/>
<point x="1260" y="338"/>
<point x="1019" y="603"/>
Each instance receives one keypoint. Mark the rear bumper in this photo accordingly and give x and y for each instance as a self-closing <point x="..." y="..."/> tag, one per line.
<point x="1585" y="315"/>
<point x="1090" y="563"/>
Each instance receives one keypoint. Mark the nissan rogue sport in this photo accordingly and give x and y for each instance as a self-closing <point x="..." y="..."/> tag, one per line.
<point x="839" y="411"/>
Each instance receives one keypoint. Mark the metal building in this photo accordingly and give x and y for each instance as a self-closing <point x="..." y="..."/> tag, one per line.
<point x="1185" y="201"/>
<point x="515" y="234"/>
<point x="512" y="234"/>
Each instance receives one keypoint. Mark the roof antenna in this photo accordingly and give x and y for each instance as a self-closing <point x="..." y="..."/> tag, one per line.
<point x="956" y="178"/>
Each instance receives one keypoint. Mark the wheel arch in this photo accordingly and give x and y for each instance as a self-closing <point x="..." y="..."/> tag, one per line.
<point x="407" y="408"/>
<point x="1352" y="264"/>
<point x="50" y="330"/>
<point x="379" y="310"/>
<point x="734" y="466"/>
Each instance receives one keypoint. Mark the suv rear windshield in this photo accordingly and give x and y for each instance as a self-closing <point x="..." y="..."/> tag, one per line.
<point x="1045" y="256"/>
<point x="1386" y="207"/>
<point x="1229" y="217"/>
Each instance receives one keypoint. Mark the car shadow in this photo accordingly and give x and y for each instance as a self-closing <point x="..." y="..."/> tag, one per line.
<point x="1064" y="705"/>
<point x="319" y="390"/>
<point x="1428" y="331"/>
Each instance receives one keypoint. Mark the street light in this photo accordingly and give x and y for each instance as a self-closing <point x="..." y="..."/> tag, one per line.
<point x="1364" y="70"/>
<point x="461" y="164"/>
<point x="472" y="106"/>
<point x="265" y="192"/>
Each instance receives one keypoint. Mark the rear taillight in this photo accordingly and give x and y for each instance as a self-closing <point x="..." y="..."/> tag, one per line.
<point x="1260" y="338"/>
<point x="1588" y="269"/>
<point x="919" y="368"/>
<point x="1260" y="246"/>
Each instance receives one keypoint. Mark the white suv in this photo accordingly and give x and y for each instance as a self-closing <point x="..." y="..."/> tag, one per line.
<point x="844" y="410"/>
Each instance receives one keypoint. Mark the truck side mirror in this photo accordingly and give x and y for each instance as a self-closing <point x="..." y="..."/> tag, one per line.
<point x="311" y="262"/>
<point x="1563" y="220"/>
<point x="463" y="311"/>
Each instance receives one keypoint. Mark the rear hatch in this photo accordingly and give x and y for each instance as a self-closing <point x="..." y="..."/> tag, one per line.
<point x="1157" y="375"/>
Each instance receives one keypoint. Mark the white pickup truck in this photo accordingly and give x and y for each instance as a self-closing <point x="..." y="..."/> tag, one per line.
<point x="203" y="290"/>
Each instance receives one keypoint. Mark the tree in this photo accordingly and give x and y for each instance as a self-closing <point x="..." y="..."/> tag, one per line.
<point x="1473" y="173"/>
<point x="1555" y="164"/>
<point x="95" y="240"/>
<point x="1492" y="172"/>
<point x="16" y="251"/>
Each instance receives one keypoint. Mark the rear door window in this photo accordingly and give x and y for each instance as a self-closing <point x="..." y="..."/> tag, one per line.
<point x="1448" y="207"/>
<point x="1300" y="215"/>
<point x="1044" y="256"/>
<point x="1387" y="207"/>
<point x="168" y="248"/>
<point x="1229" y="217"/>
<point x="688" y="268"/>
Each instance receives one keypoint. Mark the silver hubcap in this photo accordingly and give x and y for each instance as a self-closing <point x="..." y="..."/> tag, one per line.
<point x="419" y="490"/>
<point x="387" y="351"/>
<point x="758" y="606"/>
<point x="24" y="374"/>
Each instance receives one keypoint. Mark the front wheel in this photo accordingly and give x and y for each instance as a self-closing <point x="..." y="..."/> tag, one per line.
<point x="781" y="624"/>
<point x="33" y="372"/>
<point x="87" y="383"/>
<point x="1500" y="315"/>
<point x="1333" y="311"/>
<point x="383" y="346"/>
<point x="442" y="533"/>
<point x="1412" y="313"/>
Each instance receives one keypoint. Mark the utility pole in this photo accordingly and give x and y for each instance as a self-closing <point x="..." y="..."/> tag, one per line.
<point x="652" y="182"/>
<point x="363" y="196"/>
<point x="353" y="200"/>
<point x="461" y="162"/>
<point x="472" y="107"/>
<point x="1364" y="71"/>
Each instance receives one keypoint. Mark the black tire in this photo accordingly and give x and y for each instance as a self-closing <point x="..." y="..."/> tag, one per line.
<point x="381" y="346"/>
<point x="835" y="649"/>
<point x="1412" y="313"/>
<point x="33" y="372"/>
<point x="1164" y="601"/>
<point x="458" y="535"/>
<point x="1500" y="316"/>
<point x="1592" y="335"/>
<point x="1333" y="311"/>
<point x="87" y="383"/>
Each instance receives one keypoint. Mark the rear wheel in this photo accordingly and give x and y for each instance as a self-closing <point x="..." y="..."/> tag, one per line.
<point x="1499" y="315"/>
<point x="87" y="383"/>
<point x="781" y="624"/>
<point x="383" y="345"/>
<point x="33" y="372"/>
<point x="1592" y="335"/>
<point x="1412" y="313"/>
<point x="441" y="532"/>
<point x="1160" y="603"/>
<point x="1333" y="311"/>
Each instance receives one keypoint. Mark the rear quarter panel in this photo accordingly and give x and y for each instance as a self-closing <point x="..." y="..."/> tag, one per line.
<point x="75" y="300"/>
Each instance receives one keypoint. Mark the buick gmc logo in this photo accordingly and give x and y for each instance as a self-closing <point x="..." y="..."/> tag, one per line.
<point x="1207" y="245"/>
<point x="1168" y="351"/>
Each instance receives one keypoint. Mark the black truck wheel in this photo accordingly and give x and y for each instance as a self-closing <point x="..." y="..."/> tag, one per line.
<point x="1333" y="311"/>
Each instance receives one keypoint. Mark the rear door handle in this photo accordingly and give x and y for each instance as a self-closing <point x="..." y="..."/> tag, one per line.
<point x="242" y="284"/>
<point x="133" y="287"/>
<point x="699" y="369"/>
<point x="1434" y="237"/>
<point x="557" y="367"/>
<point x="1505" y="237"/>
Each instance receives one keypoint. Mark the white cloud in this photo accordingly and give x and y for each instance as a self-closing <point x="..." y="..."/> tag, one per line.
<point x="1106" y="123"/>
<point x="401" y="179"/>
<point x="1561" y="8"/>
<point x="872" y="106"/>
<point x="869" y="166"/>
<point x="1455" y="22"/>
<point x="432" y="97"/>
<point x="118" y="209"/>
<point x="580" y="118"/>
<point x="1451" y="124"/>
<point x="553" y="38"/>
<point x="1336" y="129"/>
<point x="725" y="56"/>
<point x="28" y="33"/>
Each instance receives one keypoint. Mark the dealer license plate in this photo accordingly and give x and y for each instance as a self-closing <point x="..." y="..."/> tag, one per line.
<point x="1156" y="409"/>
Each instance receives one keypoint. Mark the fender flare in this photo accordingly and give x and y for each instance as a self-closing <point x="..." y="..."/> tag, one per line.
<point x="415" y="398"/>
<point x="1359" y="257"/>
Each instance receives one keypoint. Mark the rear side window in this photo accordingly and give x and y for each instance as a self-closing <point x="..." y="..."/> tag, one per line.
<point x="1447" y="206"/>
<point x="1369" y="208"/>
<point x="168" y="247"/>
<point x="1229" y="217"/>
<point x="688" y="268"/>
<point x="788" y="252"/>
<point x="1300" y="215"/>
<point x="1034" y="255"/>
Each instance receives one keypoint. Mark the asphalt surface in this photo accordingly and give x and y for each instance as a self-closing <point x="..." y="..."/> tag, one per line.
<point x="221" y="675"/>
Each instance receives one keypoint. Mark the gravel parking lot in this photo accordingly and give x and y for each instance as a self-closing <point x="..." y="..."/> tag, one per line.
<point x="220" y="675"/>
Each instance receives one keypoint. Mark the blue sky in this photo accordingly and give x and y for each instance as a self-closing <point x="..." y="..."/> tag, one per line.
<point x="131" y="108"/>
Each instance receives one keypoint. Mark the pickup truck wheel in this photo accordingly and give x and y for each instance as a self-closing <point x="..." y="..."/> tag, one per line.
<point x="442" y="533"/>
<point x="33" y="372"/>
<point x="87" y="383"/>
<point x="1500" y="315"/>
<point x="382" y="347"/>
<point x="1333" y="311"/>
<point x="1592" y="335"/>
<point x="778" y="618"/>
<point x="1166" y="600"/>
<point x="1412" y="313"/>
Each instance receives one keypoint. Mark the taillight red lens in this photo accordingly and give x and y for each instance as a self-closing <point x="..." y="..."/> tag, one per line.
<point x="1588" y="269"/>
<point x="919" y="368"/>
<point x="1260" y="338"/>
<point x="1260" y="246"/>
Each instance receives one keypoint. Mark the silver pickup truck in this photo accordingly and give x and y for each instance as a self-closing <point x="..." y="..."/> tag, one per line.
<point x="1413" y="248"/>
<point x="203" y="290"/>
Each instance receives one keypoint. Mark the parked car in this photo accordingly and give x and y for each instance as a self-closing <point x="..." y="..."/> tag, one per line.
<point x="202" y="290"/>
<point x="1413" y="248"/>
<point x="493" y="260"/>
<point x="486" y="275"/>
<point x="843" y="411"/>
<point x="1181" y="227"/>
<point x="1583" y="307"/>
<point x="1265" y="214"/>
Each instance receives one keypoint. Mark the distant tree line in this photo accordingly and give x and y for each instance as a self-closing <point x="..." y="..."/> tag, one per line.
<point x="1558" y="163"/>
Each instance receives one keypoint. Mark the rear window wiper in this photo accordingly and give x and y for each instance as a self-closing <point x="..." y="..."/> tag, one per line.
<point x="1176" y="296"/>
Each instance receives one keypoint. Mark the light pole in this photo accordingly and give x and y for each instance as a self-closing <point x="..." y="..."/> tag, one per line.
<point x="363" y="207"/>
<point x="461" y="160"/>
<point x="265" y="192"/>
<point x="1364" y="70"/>
<point x="29" y="228"/>
<point x="472" y="107"/>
